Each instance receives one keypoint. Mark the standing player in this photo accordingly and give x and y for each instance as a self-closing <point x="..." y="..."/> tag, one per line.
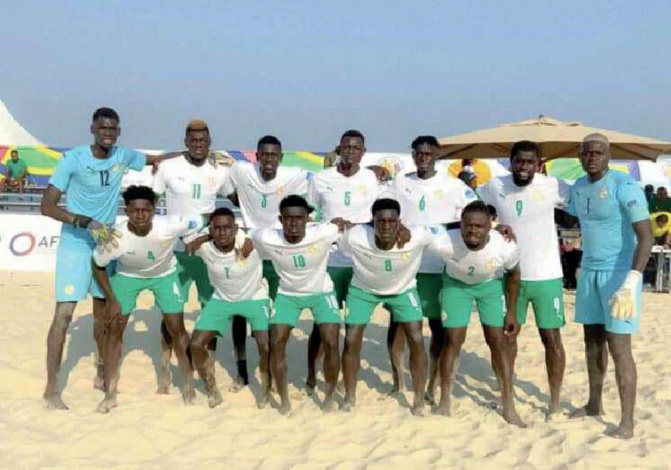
<point x="427" y="198"/>
<point x="190" y="184"/>
<point x="239" y="289"/>
<point x="91" y="177"/>
<point x="526" y="201"/>
<point x="343" y="192"/>
<point x="299" y="255"/>
<point x="475" y="272"/>
<point x="259" y="189"/>
<point x="384" y="274"/>
<point x="145" y="261"/>
<point x="616" y="243"/>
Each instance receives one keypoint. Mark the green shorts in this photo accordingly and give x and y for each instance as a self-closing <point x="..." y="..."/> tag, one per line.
<point x="165" y="289"/>
<point x="429" y="286"/>
<point x="547" y="299"/>
<point x="218" y="312"/>
<point x="192" y="269"/>
<point x="404" y="307"/>
<point x="456" y="301"/>
<point x="287" y="308"/>
<point x="341" y="278"/>
<point x="271" y="277"/>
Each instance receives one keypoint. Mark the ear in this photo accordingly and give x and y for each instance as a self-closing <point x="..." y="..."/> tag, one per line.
<point x="365" y="150"/>
<point x="186" y="141"/>
<point x="281" y="157"/>
<point x="92" y="129"/>
<point x="118" y="131"/>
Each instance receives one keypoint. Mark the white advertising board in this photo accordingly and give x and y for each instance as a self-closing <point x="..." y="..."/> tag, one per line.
<point x="28" y="242"/>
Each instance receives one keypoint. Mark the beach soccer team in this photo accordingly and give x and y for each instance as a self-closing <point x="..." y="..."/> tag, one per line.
<point x="339" y="243"/>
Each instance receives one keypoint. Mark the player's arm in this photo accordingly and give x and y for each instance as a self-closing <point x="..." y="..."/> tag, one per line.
<point x="155" y="160"/>
<point x="381" y="172"/>
<point x="667" y="239"/>
<point x="511" y="328"/>
<point x="564" y="219"/>
<point x="643" y="231"/>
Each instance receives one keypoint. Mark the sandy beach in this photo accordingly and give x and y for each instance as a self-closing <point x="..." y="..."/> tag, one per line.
<point x="152" y="431"/>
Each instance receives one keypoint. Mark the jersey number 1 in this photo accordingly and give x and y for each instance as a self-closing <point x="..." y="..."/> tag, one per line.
<point x="104" y="178"/>
<point x="299" y="261"/>
<point x="196" y="192"/>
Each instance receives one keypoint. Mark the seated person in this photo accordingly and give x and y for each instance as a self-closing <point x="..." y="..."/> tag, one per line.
<point x="661" y="228"/>
<point x="16" y="174"/>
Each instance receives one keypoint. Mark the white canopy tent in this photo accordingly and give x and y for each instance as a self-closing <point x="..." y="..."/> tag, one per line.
<point x="12" y="133"/>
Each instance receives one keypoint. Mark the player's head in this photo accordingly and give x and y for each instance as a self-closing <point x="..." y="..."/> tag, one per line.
<point x="223" y="227"/>
<point x="661" y="220"/>
<point x="140" y="203"/>
<point x="14" y="155"/>
<point x="649" y="189"/>
<point x="197" y="139"/>
<point x="524" y="162"/>
<point x="595" y="155"/>
<point x="105" y="127"/>
<point x="269" y="155"/>
<point x="352" y="147"/>
<point x="425" y="153"/>
<point x="662" y="193"/>
<point x="294" y="212"/>
<point x="476" y="223"/>
<point x="386" y="220"/>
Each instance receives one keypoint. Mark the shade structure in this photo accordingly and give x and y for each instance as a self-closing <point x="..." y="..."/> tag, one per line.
<point x="557" y="139"/>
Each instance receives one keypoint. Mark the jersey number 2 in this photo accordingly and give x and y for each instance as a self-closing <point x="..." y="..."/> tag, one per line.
<point x="104" y="178"/>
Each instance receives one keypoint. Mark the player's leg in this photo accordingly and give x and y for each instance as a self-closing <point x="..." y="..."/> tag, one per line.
<point x="284" y="317"/>
<point x="589" y="312"/>
<point x="326" y="313"/>
<point x="2" y="185"/>
<point x="449" y="363"/>
<point x="396" y="350"/>
<point x="555" y="362"/>
<point x="211" y="322"/>
<point x="175" y="324"/>
<point x="100" y="332"/>
<point x="55" y="343"/>
<point x="239" y="333"/>
<point x="257" y="313"/>
<point x="112" y="360"/>
<point x="21" y="183"/>
<point x="429" y="286"/>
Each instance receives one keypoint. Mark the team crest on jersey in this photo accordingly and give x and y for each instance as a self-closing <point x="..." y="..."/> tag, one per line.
<point x="443" y="315"/>
<point x="118" y="167"/>
<point x="211" y="181"/>
<point x="603" y="194"/>
<point x="363" y="190"/>
<point x="312" y="248"/>
<point x="69" y="289"/>
<point x="165" y="243"/>
<point x="405" y="257"/>
<point x="242" y="261"/>
<point x="280" y="191"/>
<point x="490" y="264"/>
<point x="539" y="195"/>
<point x="438" y="194"/>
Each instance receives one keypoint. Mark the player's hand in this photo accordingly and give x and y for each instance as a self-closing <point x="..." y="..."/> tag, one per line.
<point x="511" y="328"/>
<point x="219" y="159"/>
<point x="104" y="235"/>
<point x="341" y="223"/>
<point x="403" y="236"/>
<point x="193" y="246"/>
<point x="246" y="249"/>
<point x="381" y="173"/>
<point x="624" y="303"/>
<point x="507" y="232"/>
<point x="113" y="310"/>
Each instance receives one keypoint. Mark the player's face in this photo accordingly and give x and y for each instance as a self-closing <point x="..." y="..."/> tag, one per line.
<point x="223" y="230"/>
<point x="294" y="220"/>
<point x="523" y="166"/>
<point x="475" y="227"/>
<point x="594" y="158"/>
<point x="425" y="158"/>
<point x="661" y="193"/>
<point x="269" y="157"/>
<point x="140" y="213"/>
<point x="351" y="150"/>
<point x="198" y="144"/>
<point x="386" y="223"/>
<point x="15" y="156"/>
<point x="105" y="132"/>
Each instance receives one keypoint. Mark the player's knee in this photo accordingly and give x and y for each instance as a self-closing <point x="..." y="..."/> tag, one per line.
<point x="263" y="345"/>
<point x="198" y="344"/>
<point x="494" y="341"/>
<point x="552" y="342"/>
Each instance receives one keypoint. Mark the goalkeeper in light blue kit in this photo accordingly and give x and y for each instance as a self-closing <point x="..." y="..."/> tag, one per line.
<point x="616" y="240"/>
<point x="90" y="176"/>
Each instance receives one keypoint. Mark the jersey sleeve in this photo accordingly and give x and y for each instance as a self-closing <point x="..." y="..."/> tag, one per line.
<point x="511" y="255"/>
<point x="563" y="193"/>
<point x="441" y="246"/>
<point x="181" y="226"/>
<point x="330" y="233"/>
<point x="466" y="196"/>
<point x="344" y="242"/>
<point x="63" y="173"/>
<point x="631" y="198"/>
<point x="102" y="257"/>
<point x="159" y="180"/>
<point x="226" y="187"/>
<point x="486" y="193"/>
<point x="313" y="196"/>
<point x="571" y="209"/>
<point x="134" y="159"/>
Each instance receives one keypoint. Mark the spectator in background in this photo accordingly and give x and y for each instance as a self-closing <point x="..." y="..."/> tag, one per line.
<point x="649" y="190"/>
<point x="16" y="172"/>
<point x="661" y="202"/>
<point x="661" y="228"/>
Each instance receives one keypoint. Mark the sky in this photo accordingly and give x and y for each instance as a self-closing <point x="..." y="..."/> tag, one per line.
<point x="306" y="71"/>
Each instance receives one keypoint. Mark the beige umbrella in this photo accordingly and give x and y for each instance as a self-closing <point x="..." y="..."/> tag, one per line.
<point x="557" y="139"/>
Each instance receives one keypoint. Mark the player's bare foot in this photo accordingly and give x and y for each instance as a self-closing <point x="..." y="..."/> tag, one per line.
<point x="54" y="402"/>
<point x="264" y="401"/>
<point x="189" y="392"/>
<point x="164" y="380"/>
<point x="349" y="404"/>
<point x="329" y="405"/>
<point x="214" y="398"/>
<point x="623" y="431"/>
<point x="99" y="383"/>
<point x="106" y="405"/>
<point x="444" y="408"/>
<point x="513" y="418"/>
<point x="238" y="384"/>
<point x="429" y="397"/>
<point x="586" y="410"/>
<point x="285" y="408"/>
<point x="419" y="409"/>
<point x="310" y="388"/>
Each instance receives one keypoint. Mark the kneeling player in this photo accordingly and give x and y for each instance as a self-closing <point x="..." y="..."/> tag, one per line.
<point x="145" y="261"/>
<point x="475" y="272"/>
<point x="239" y="289"/>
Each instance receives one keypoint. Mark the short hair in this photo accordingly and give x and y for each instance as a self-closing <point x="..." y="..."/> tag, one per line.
<point x="355" y="134"/>
<point x="424" y="139"/>
<point x="384" y="204"/>
<point x="222" y="212"/>
<point x="661" y="188"/>
<point x="524" y="146"/>
<point x="197" y="125"/>
<point x="294" y="200"/>
<point x="269" y="140"/>
<point x="647" y="186"/>
<point x="476" y="206"/>
<point x="659" y="218"/>
<point x="107" y="113"/>
<point x="139" y="192"/>
<point x="492" y="210"/>
<point x="14" y="152"/>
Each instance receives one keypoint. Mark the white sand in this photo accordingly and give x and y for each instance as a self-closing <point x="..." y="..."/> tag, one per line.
<point x="151" y="431"/>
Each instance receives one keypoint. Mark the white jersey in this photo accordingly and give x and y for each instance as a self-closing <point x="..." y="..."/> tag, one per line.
<point x="383" y="272"/>
<point x="529" y="210"/>
<point x="474" y="267"/>
<point x="234" y="278"/>
<point x="152" y="255"/>
<point x="431" y="202"/>
<point x="191" y="189"/>
<point x="351" y="198"/>
<point x="260" y="199"/>
<point x="301" y="267"/>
